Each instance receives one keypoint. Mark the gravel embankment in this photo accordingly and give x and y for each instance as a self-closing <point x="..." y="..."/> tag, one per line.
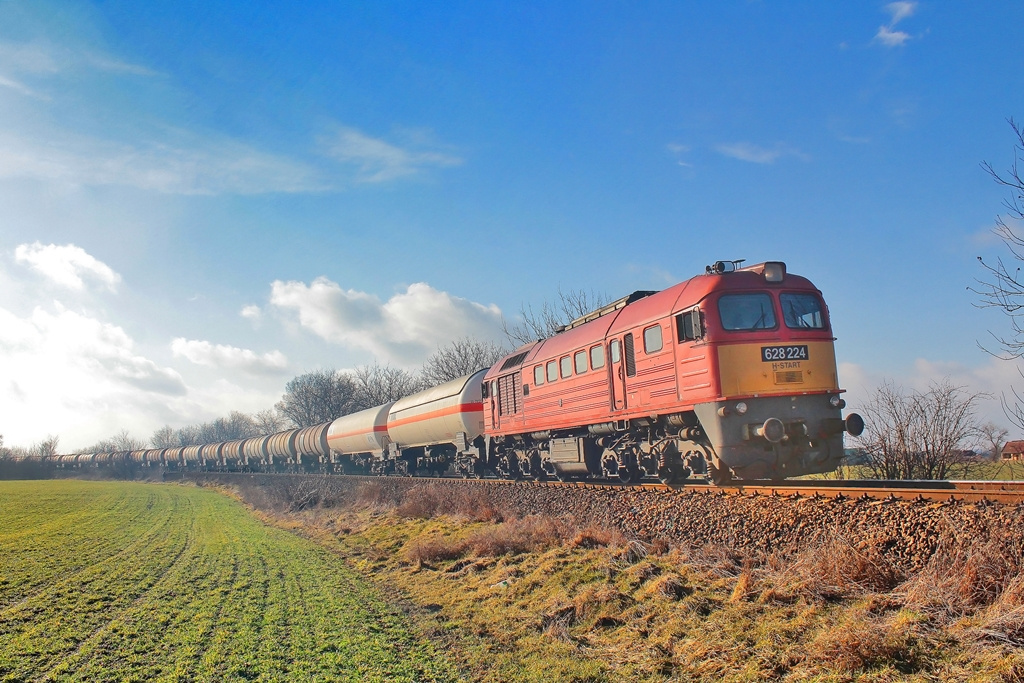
<point x="905" y="533"/>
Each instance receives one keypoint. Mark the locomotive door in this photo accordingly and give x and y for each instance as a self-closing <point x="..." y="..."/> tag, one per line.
<point x="618" y="370"/>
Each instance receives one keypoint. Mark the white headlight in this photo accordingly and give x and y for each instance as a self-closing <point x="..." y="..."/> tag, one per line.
<point x="834" y="400"/>
<point x="741" y="408"/>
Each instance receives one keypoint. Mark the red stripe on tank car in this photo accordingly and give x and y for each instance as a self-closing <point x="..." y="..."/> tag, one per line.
<point x="441" y="412"/>
<point x="345" y="435"/>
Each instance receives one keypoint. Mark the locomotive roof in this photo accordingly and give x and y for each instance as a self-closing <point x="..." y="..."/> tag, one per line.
<point x="640" y="308"/>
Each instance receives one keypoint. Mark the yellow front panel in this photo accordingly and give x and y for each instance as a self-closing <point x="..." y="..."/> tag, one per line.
<point x="792" y="367"/>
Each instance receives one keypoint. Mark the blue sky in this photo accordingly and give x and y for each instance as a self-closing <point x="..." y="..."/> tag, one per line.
<point x="199" y="201"/>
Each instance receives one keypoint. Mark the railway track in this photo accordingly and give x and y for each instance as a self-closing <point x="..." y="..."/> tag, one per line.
<point x="1003" y="492"/>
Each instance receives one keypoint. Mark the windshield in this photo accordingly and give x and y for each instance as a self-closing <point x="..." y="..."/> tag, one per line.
<point x="746" y="311"/>
<point x="802" y="311"/>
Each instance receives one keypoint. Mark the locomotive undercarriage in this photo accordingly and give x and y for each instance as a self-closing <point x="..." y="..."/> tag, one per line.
<point x="671" y="448"/>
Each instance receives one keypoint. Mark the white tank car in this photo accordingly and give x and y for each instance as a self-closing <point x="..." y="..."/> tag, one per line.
<point x="362" y="432"/>
<point x="438" y="414"/>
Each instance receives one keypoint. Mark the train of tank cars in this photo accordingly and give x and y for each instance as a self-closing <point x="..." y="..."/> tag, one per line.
<point x="730" y="374"/>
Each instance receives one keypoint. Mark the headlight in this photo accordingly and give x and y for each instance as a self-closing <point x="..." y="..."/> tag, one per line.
<point x="836" y="402"/>
<point x="741" y="408"/>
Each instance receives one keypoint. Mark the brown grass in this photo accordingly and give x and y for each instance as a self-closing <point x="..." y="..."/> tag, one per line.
<point x="965" y="575"/>
<point x="431" y="500"/>
<point x="864" y="641"/>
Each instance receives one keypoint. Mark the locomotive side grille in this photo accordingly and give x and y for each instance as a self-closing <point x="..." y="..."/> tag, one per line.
<point x="789" y="377"/>
<point x="509" y="401"/>
<point x="627" y="344"/>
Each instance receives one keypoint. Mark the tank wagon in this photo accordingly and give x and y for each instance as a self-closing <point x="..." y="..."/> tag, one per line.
<point x="731" y="374"/>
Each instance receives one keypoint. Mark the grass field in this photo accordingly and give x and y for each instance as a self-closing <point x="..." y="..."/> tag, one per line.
<point x="141" y="582"/>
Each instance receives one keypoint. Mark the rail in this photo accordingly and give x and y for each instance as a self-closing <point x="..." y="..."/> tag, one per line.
<point x="1003" y="492"/>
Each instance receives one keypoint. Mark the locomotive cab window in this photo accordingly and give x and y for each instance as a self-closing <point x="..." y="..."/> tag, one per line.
<point x="616" y="353"/>
<point x="746" y="312"/>
<point x="579" y="359"/>
<point x="653" y="341"/>
<point x="566" y="366"/>
<point x="596" y="357"/>
<point x="538" y="375"/>
<point x="802" y="311"/>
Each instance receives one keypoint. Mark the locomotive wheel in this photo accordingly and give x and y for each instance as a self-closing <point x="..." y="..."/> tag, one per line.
<point x="629" y="475"/>
<point x="719" y="473"/>
<point x="668" y="475"/>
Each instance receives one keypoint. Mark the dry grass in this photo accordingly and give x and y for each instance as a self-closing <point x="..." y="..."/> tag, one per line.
<point x="430" y="500"/>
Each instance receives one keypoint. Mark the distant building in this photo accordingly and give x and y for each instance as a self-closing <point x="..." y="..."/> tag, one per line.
<point x="1013" y="450"/>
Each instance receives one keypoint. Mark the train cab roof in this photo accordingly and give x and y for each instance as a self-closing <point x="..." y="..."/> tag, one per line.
<point x="642" y="307"/>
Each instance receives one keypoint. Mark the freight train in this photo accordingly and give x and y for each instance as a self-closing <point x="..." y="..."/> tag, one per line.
<point x="730" y="374"/>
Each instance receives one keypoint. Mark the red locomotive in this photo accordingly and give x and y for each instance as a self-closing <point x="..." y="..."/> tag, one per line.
<point x="732" y="372"/>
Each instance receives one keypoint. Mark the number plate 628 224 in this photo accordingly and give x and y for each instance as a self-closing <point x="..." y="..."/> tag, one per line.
<point x="771" y="354"/>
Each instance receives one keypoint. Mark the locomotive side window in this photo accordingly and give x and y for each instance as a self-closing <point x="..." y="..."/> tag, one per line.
<point x="538" y="375"/>
<point x="566" y="363"/>
<point x="579" y="359"/>
<point x="627" y="344"/>
<point x="616" y="354"/>
<point x="596" y="357"/>
<point x="744" y="312"/>
<point x="688" y="326"/>
<point x="552" y="371"/>
<point x="653" y="340"/>
<point x="802" y="311"/>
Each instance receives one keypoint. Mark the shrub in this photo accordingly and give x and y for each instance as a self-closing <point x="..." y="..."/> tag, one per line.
<point x="528" y="534"/>
<point x="425" y="550"/>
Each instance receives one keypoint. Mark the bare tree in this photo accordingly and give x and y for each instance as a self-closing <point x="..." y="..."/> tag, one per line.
<point x="268" y="421"/>
<point x="993" y="437"/>
<point x="460" y="358"/>
<point x="1003" y="286"/>
<point x="319" y="396"/>
<point x="552" y="316"/>
<point x="379" y="384"/>
<point x="920" y="435"/>
<point x="122" y="441"/>
<point x="164" y="438"/>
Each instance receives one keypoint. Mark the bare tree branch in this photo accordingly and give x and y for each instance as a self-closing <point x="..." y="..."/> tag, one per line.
<point x="379" y="384"/>
<point x="319" y="396"/>
<point x="458" y="359"/>
<point x="920" y="435"/>
<point x="552" y="316"/>
<point x="1002" y="286"/>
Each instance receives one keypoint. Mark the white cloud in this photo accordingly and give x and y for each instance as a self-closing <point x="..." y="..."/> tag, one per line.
<point x="746" y="151"/>
<point x="65" y="373"/>
<point x="231" y="357"/>
<point x="900" y="10"/>
<point x="66" y="265"/>
<point x="251" y="312"/>
<point x="888" y="35"/>
<point x="678" y="151"/>
<point x="380" y="161"/>
<point x="17" y="86"/>
<point x="404" y="329"/>
<point x="196" y="167"/>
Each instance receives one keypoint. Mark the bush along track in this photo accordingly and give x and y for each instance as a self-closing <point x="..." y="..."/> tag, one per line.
<point x="560" y="586"/>
<point x="118" y="581"/>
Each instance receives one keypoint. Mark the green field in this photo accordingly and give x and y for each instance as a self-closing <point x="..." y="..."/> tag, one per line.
<point x="121" y="581"/>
